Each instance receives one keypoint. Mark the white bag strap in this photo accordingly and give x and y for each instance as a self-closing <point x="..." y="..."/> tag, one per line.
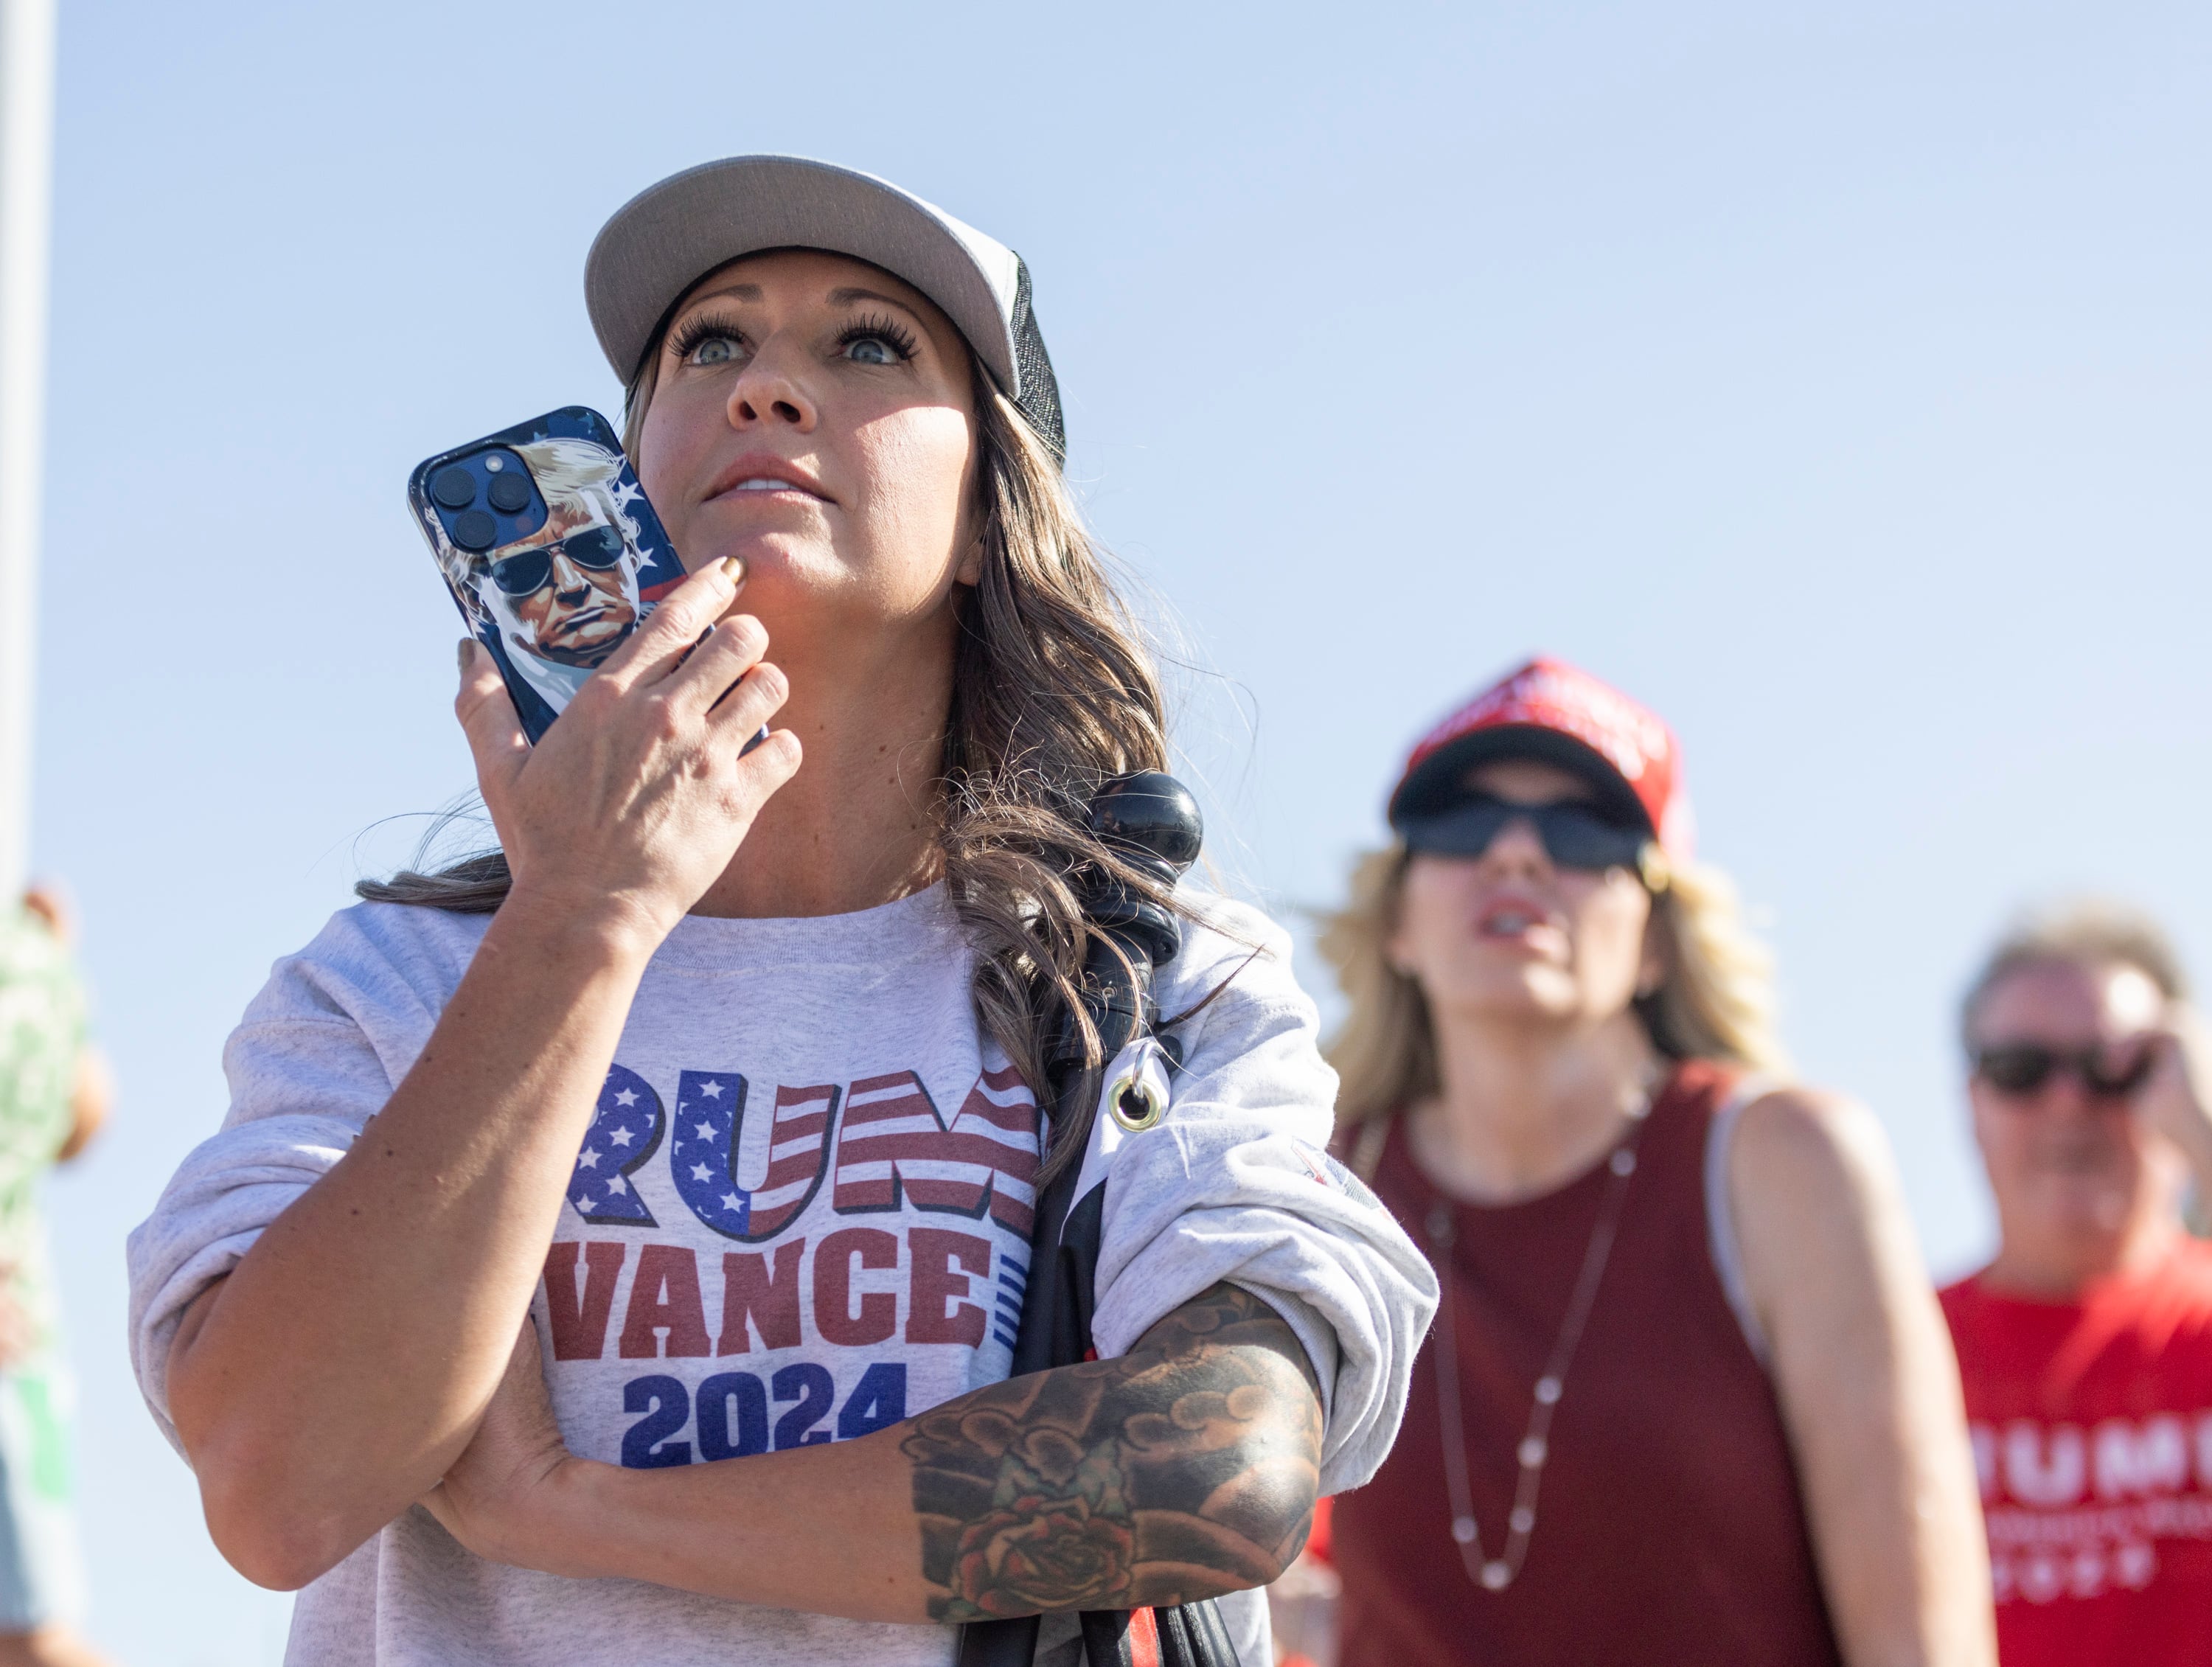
<point x="1719" y="1210"/>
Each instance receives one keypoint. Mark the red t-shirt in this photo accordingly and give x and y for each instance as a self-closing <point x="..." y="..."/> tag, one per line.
<point x="2092" y="1423"/>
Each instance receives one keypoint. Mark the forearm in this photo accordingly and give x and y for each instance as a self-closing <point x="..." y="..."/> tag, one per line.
<point x="829" y="1530"/>
<point x="91" y="1098"/>
<point x="386" y="1299"/>
<point x="1186" y="1470"/>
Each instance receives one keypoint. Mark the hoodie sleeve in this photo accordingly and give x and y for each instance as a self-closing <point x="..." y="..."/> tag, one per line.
<point x="1234" y="1184"/>
<point x="315" y="1057"/>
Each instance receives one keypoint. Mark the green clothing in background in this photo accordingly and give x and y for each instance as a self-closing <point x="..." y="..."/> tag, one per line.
<point x="42" y="1034"/>
<point x="41" y="1041"/>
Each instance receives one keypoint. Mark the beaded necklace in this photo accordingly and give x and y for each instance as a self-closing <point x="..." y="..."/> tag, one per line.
<point x="1495" y="1574"/>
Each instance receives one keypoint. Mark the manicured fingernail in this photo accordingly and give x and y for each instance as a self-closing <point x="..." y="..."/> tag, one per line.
<point x="734" y="568"/>
<point x="467" y="653"/>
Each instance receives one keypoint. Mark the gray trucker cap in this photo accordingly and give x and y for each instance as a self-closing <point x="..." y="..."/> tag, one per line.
<point x="669" y="235"/>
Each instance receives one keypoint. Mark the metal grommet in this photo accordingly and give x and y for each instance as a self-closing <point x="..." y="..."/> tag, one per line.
<point x="1134" y="1103"/>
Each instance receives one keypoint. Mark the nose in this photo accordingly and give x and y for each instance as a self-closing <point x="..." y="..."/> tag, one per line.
<point x="769" y="394"/>
<point x="569" y="579"/>
<point x="2066" y="1096"/>
<point x="1518" y="850"/>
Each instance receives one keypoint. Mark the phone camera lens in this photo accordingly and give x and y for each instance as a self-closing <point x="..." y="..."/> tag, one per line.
<point x="454" y="487"/>
<point x="474" y="529"/>
<point x="509" y="494"/>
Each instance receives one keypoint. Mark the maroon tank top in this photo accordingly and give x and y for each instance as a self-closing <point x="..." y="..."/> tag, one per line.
<point x="1669" y="1528"/>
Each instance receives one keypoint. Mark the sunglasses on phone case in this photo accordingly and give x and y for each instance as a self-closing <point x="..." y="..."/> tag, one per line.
<point x="597" y="548"/>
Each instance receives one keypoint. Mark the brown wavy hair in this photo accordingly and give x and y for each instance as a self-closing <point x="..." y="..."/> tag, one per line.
<point x="1053" y="691"/>
<point x="1714" y="1000"/>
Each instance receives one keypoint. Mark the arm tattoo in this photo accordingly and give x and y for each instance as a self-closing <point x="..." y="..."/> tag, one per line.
<point x="1186" y="1469"/>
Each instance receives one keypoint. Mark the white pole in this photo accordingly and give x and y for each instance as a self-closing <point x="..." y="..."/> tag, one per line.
<point x="27" y="143"/>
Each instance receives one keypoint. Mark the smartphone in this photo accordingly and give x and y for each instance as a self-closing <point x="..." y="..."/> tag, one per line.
<point x="550" y="551"/>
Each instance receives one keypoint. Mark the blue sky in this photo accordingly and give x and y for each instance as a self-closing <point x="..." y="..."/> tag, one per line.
<point x="1835" y="379"/>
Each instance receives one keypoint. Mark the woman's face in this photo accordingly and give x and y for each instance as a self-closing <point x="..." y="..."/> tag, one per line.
<point x="815" y="416"/>
<point x="1507" y="936"/>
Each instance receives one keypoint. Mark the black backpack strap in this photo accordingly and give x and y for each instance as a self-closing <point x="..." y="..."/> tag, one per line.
<point x="1152" y="822"/>
<point x="1062" y="1286"/>
<point x="1194" y="1635"/>
<point x="1011" y="1643"/>
<point x="1055" y="1331"/>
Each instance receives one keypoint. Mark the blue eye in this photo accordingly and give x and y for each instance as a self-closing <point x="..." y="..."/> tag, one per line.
<point x="880" y="340"/>
<point x="709" y="339"/>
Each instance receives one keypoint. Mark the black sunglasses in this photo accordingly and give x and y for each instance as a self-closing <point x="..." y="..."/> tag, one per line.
<point x="1574" y="835"/>
<point x="2025" y="1067"/>
<point x="597" y="548"/>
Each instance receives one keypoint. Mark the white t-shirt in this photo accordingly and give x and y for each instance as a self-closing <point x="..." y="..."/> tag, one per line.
<point x="802" y="1212"/>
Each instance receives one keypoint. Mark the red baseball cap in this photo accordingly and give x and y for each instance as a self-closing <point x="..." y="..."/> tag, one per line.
<point x="1558" y="714"/>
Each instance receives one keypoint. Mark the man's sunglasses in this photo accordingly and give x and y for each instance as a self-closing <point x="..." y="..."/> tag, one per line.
<point x="599" y="548"/>
<point x="1574" y="835"/>
<point x="2026" y="1067"/>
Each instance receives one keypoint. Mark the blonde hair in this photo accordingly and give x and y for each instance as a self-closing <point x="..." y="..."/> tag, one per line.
<point x="2080" y="931"/>
<point x="1715" y="1002"/>
<point x="1052" y="692"/>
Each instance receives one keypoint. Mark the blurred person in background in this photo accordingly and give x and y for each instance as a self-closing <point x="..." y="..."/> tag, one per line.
<point x="54" y="1096"/>
<point x="1688" y="1397"/>
<point x="2085" y="1344"/>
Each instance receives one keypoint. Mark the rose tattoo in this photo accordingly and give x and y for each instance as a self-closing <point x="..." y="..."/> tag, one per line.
<point x="1184" y="1469"/>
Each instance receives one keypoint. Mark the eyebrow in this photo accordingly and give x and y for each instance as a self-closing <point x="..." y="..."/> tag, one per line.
<point x="843" y="296"/>
<point x="850" y="293"/>
<point x="736" y="291"/>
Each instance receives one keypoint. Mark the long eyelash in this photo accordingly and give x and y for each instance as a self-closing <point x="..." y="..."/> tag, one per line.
<point x="704" y="327"/>
<point x="882" y="327"/>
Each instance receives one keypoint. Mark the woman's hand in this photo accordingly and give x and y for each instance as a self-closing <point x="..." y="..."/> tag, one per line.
<point x="634" y="802"/>
<point x="502" y="1497"/>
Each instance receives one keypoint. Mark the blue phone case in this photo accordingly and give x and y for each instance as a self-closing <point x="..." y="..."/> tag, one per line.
<point x="550" y="551"/>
